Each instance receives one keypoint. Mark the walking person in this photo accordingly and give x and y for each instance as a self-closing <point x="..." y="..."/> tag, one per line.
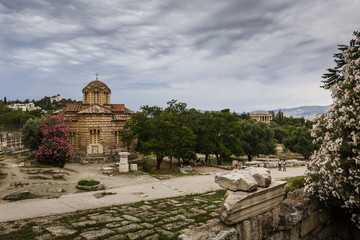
<point x="279" y="164"/>
<point x="284" y="165"/>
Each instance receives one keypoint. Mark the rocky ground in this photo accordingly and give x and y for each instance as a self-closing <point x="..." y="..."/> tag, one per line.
<point x="46" y="182"/>
<point x="158" y="219"/>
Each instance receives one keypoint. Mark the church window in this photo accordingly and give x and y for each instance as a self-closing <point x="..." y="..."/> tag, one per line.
<point x="117" y="137"/>
<point x="72" y="138"/>
<point x="94" y="136"/>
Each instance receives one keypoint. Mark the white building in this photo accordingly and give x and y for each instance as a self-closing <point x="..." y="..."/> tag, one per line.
<point x="57" y="98"/>
<point x="24" y="106"/>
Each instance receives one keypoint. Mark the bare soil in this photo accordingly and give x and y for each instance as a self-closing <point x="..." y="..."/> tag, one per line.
<point x="19" y="176"/>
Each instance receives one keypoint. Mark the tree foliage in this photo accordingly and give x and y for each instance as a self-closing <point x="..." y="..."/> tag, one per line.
<point x="11" y="119"/>
<point x="334" y="172"/>
<point x="162" y="132"/>
<point x="280" y="134"/>
<point x="257" y="138"/>
<point x="54" y="149"/>
<point x="31" y="133"/>
<point x="300" y="141"/>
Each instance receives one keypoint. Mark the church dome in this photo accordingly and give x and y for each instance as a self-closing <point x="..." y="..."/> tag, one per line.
<point x="96" y="92"/>
<point x="96" y="84"/>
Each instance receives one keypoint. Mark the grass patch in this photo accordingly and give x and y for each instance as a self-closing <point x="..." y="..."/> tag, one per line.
<point x="37" y="165"/>
<point x="21" y="197"/>
<point x="162" y="208"/>
<point x="293" y="183"/>
<point x="88" y="183"/>
<point x="24" y="233"/>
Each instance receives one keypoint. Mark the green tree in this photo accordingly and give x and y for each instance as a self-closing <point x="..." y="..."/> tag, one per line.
<point x="206" y="136"/>
<point x="146" y="131"/>
<point x="31" y="134"/>
<point x="180" y="123"/>
<point x="280" y="133"/>
<point x="300" y="141"/>
<point x="257" y="138"/>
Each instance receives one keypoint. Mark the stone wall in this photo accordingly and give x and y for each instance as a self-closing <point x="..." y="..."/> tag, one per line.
<point x="291" y="220"/>
<point x="106" y="145"/>
<point x="11" y="141"/>
<point x="260" y="214"/>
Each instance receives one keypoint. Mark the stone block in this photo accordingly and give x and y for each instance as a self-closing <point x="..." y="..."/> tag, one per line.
<point x="212" y="230"/>
<point x="124" y="168"/>
<point x="236" y="180"/>
<point x="276" y="236"/>
<point x="309" y="224"/>
<point x="261" y="175"/>
<point x="133" y="167"/>
<point x="239" y="206"/>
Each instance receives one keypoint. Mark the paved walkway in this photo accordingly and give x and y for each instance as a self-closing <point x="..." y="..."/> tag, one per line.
<point x="153" y="189"/>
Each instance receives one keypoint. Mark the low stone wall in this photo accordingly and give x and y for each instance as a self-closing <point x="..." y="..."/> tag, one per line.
<point x="262" y="214"/>
<point x="291" y="220"/>
<point x="94" y="160"/>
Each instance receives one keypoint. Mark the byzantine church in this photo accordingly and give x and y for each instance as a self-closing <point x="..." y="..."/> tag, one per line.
<point x="96" y="124"/>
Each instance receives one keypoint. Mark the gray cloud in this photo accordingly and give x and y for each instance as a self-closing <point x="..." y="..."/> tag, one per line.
<point x="212" y="54"/>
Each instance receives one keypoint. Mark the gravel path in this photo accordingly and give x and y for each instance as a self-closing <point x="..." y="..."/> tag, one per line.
<point x="138" y="189"/>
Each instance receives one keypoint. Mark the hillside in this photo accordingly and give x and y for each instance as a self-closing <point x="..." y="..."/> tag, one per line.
<point x="307" y="112"/>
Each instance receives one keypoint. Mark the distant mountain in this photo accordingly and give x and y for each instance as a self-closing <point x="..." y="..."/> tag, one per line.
<point x="307" y="112"/>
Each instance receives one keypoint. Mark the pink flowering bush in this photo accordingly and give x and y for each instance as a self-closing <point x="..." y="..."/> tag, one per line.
<point x="54" y="149"/>
<point x="334" y="170"/>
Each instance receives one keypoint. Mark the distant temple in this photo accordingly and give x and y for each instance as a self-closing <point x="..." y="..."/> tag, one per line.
<point x="96" y="125"/>
<point x="261" y="117"/>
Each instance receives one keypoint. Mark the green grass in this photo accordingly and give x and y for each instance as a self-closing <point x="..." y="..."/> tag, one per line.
<point x="88" y="182"/>
<point x="166" y="206"/>
<point x="38" y="165"/>
<point x="293" y="183"/>
<point x="24" y="233"/>
<point x="22" y="197"/>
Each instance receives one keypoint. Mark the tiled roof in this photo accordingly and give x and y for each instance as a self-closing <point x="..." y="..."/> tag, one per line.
<point x="118" y="107"/>
<point x="76" y="107"/>
<point x="73" y="107"/>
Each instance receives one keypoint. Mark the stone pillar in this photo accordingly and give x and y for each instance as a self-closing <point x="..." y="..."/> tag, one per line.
<point x="124" y="165"/>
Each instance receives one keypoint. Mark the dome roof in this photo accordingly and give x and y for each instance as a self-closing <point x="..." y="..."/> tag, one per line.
<point x="96" y="84"/>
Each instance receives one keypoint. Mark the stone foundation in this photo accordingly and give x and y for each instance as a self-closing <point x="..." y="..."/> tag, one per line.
<point x="262" y="214"/>
<point x="94" y="160"/>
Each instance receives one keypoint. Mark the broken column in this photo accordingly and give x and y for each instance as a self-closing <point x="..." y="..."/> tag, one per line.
<point x="250" y="192"/>
<point x="250" y="209"/>
<point x="124" y="165"/>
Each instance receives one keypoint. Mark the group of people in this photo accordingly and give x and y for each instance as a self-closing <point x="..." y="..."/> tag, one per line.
<point x="283" y="164"/>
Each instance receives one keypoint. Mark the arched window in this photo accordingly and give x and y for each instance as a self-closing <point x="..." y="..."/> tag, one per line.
<point x="72" y="138"/>
<point x="117" y="138"/>
<point x="94" y="136"/>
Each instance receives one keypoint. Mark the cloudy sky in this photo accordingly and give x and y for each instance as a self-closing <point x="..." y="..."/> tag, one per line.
<point x="239" y="54"/>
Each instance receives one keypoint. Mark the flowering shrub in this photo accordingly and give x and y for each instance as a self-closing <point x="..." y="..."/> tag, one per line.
<point x="334" y="170"/>
<point x="54" y="149"/>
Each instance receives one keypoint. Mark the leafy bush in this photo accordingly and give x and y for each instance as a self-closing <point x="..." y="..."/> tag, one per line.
<point x="146" y="165"/>
<point x="333" y="172"/>
<point x="54" y="149"/>
<point x="293" y="184"/>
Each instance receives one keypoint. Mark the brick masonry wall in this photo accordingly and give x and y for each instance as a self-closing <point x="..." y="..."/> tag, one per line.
<point x="102" y="122"/>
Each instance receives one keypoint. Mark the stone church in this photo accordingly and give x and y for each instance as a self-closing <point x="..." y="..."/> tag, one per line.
<point x="96" y="124"/>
